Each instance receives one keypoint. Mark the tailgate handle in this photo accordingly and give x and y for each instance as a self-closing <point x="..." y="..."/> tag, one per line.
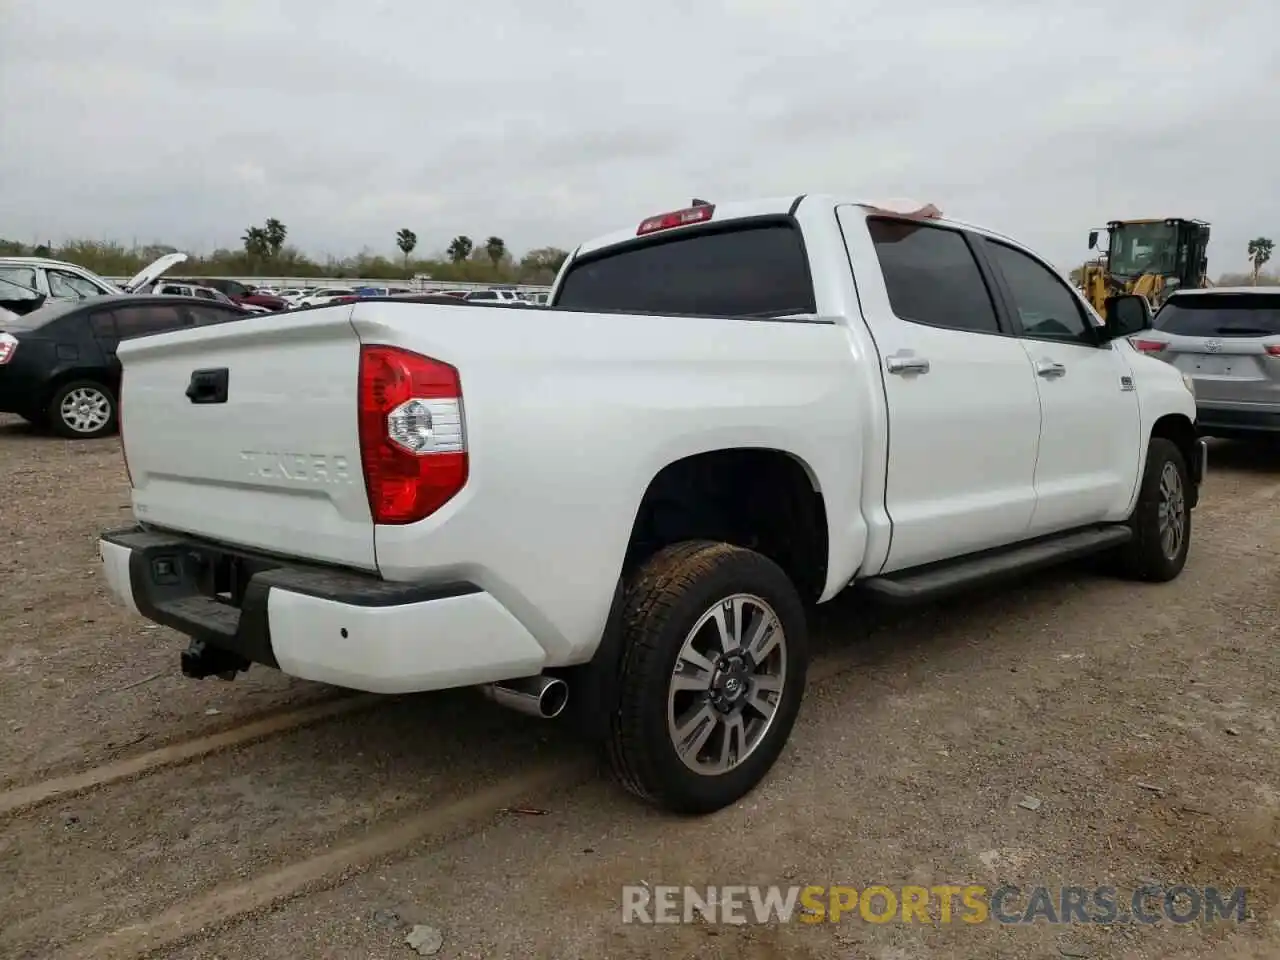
<point x="209" y="386"/>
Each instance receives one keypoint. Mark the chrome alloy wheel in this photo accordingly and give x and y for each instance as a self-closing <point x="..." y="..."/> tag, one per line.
<point x="85" y="409"/>
<point x="727" y="684"/>
<point x="1172" y="512"/>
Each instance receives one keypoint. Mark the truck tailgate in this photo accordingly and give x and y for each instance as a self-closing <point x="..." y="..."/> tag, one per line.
<point x="269" y="457"/>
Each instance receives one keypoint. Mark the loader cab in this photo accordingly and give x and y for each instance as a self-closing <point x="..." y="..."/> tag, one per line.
<point x="1173" y="249"/>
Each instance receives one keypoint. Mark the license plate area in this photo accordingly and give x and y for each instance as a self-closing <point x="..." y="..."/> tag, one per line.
<point x="1211" y="366"/>
<point x="205" y="572"/>
<point x="1208" y="366"/>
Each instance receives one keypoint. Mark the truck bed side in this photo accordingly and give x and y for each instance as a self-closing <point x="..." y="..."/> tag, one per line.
<point x="570" y="416"/>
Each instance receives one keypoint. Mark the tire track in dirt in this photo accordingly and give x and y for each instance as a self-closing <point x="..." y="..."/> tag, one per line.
<point x="19" y="799"/>
<point x="191" y="918"/>
<point x="135" y="848"/>
<point x="229" y="903"/>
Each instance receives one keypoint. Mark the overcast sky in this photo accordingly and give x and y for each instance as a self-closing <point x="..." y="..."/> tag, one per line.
<point x="548" y="122"/>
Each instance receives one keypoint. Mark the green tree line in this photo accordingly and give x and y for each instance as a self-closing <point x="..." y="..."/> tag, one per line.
<point x="265" y="252"/>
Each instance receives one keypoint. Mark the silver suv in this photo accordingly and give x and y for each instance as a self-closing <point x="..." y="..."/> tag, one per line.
<point x="1228" y="340"/>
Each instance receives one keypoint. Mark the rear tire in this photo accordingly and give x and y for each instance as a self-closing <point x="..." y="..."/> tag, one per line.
<point x="1161" y="519"/>
<point x="698" y="727"/>
<point x="82" y="410"/>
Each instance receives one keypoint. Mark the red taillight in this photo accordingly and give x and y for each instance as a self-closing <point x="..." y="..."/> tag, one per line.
<point x="677" y="218"/>
<point x="1273" y="349"/>
<point x="412" y="446"/>
<point x="8" y="347"/>
<point x="1148" y="346"/>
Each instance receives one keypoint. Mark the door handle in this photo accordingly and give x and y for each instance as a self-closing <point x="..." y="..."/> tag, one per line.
<point x="1050" y="369"/>
<point x="209" y="386"/>
<point x="903" y="364"/>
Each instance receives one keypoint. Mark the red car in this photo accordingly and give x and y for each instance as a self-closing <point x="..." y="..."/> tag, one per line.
<point x="241" y="293"/>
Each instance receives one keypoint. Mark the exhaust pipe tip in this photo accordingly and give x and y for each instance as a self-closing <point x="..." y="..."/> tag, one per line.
<point x="555" y="697"/>
<point x="542" y="697"/>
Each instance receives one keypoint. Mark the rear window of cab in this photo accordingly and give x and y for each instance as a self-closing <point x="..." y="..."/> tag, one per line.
<point x="757" y="270"/>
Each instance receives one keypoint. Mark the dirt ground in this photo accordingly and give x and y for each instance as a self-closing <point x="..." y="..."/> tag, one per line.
<point x="142" y="814"/>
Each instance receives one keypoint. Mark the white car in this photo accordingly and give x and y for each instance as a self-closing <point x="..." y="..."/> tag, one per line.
<point x="294" y="295"/>
<point x="624" y="501"/>
<point x="59" y="280"/>
<point x="492" y="296"/>
<point x="325" y="295"/>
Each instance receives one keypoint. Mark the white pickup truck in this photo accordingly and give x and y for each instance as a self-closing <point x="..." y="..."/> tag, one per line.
<point x="624" y="502"/>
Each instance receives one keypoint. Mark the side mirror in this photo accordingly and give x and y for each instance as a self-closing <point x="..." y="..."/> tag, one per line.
<point x="1093" y="239"/>
<point x="1126" y="315"/>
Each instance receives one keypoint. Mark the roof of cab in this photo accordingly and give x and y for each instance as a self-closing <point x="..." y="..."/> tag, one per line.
<point x="734" y="210"/>
<point x="772" y="206"/>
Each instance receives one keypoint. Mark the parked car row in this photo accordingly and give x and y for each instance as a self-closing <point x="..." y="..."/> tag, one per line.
<point x="60" y="280"/>
<point x="326" y="295"/>
<point x="199" y="292"/>
<point x="60" y="324"/>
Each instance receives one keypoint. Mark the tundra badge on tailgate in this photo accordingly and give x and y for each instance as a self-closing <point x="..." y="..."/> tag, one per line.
<point x="317" y="468"/>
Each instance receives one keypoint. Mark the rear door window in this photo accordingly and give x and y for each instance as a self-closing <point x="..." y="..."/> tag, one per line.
<point x="931" y="276"/>
<point x="1221" y="315"/>
<point x="203" y="316"/>
<point x="144" y="319"/>
<point x="103" y="325"/>
<point x="23" y="276"/>
<point x="758" y="271"/>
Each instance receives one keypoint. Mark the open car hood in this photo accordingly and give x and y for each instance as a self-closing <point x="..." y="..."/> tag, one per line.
<point x="153" y="271"/>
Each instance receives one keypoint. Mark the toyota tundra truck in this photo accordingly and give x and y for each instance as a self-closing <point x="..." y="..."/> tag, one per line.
<point x="625" y="503"/>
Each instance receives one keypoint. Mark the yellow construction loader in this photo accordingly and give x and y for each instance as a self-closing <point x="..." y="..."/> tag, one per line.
<point x="1147" y="257"/>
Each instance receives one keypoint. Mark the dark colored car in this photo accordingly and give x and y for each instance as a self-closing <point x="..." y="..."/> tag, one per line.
<point x="58" y="363"/>
<point x="240" y="293"/>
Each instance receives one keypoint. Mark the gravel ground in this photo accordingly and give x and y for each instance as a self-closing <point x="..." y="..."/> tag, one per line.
<point x="1143" y="719"/>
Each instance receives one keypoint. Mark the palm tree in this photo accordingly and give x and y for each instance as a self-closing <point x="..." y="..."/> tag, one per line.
<point x="496" y="248"/>
<point x="256" y="244"/>
<point x="275" y="232"/>
<point x="460" y="248"/>
<point x="406" y="240"/>
<point x="1259" y="253"/>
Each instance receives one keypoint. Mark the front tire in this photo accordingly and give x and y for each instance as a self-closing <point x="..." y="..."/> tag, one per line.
<point x="82" y="410"/>
<point x="714" y="660"/>
<point x="1161" y="520"/>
